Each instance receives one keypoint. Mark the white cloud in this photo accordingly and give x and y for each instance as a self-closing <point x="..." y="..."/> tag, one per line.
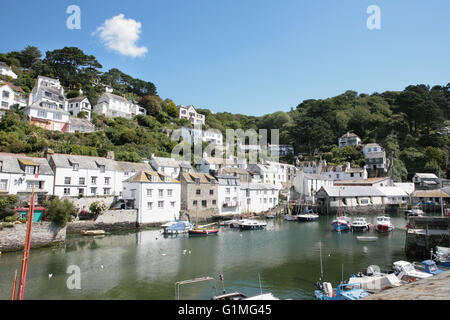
<point x="120" y="35"/>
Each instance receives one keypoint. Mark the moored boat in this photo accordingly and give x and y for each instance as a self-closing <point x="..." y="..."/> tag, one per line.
<point x="442" y="256"/>
<point x="341" y="223"/>
<point x="307" y="217"/>
<point x="359" y="224"/>
<point x="415" y="211"/>
<point x="367" y="239"/>
<point x="344" y="291"/>
<point x="404" y="270"/>
<point x="383" y="224"/>
<point x="178" y="226"/>
<point x="203" y="231"/>
<point x="252" y="225"/>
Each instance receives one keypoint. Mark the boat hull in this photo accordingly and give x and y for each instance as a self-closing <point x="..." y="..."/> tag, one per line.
<point x="203" y="232"/>
<point x="339" y="226"/>
<point x="252" y="227"/>
<point x="383" y="228"/>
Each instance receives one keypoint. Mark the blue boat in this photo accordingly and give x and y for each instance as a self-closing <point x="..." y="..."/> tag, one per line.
<point x="344" y="291"/>
<point x="341" y="224"/>
<point x="176" y="227"/>
<point x="442" y="257"/>
<point x="428" y="266"/>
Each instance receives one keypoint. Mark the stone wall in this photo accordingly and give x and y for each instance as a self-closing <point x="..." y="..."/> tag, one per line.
<point x="110" y="220"/>
<point x="42" y="234"/>
<point x="86" y="201"/>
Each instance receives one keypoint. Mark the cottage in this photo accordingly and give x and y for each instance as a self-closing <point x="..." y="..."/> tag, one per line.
<point x="155" y="195"/>
<point x="114" y="106"/>
<point x="426" y="181"/>
<point x="80" y="125"/>
<point x="79" y="104"/>
<point x="258" y="197"/>
<point x="344" y="172"/>
<point x="168" y="166"/>
<point x="375" y="158"/>
<point x="6" y="70"/>
<point x="191" y="114"/>
<point x="199" y="195"/>
<point x="349" y="139"/>
<point x="11" y="95"/>
<point x="229" y="201"/>
<point x="19" y="174"/>
<point x="308" y="184"/>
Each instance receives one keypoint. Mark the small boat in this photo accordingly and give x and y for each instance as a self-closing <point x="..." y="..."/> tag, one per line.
<point x="344" y="291"/>
<point x="203" y="231"/>
<point x="178" y="226"/>
<point x="404" y="270"/>
<point x="442" y="256"/>
<point x="428" y="266"/>
<point x="341" y="223"/>
<point x="359" y="224"/>
<point x="227" y="223"/>
<point x="241" y="296"/>
<point x="289" y="217"/>
<point x="252" y="225"/>
<point x="372" y="281"/>
<point x="271" y="216"/>
<point x="94" y="232"/>
<point x="367" y="239"/>
<point x="237" y="223"/>
<point x="307" y="217"/>
<point x="415" y="211"/>
<point x="383" y="224"/>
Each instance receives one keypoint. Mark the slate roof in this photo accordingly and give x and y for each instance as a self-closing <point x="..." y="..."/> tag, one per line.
<point x="166" y="162"/>
<point x="147" y="177"/>
<point x="84" y="162"/>
<point x="190" y="177"/>
<point x="11" y="163"/>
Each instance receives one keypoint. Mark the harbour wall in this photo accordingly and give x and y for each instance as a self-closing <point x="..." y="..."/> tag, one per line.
<point x="434" y="288"/>
<point x="110" y="220"/>
<point x="42" y="234"/>
<point x="425" y="233"/>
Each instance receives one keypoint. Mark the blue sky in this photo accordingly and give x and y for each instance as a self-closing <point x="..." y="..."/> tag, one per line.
<point x="252" y="56"/>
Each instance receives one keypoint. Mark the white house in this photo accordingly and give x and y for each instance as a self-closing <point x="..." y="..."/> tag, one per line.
<point x="191" y="114"/>
<point x="229" y="192"/>
<point x="307" y="185"/>
<point x="19" y="174"/>
<point x="7" y="71"/>
<point x="349" y="139"/>
<point x="156" y="196"/>
<point x="195" y="135"/>
<point x="258" y="197"/>
<point x="344" y="172"/>
<point x="375" y="158"/>
<point x="114" y="106"/>
<point x="269" y="174"/>
<point x="280" y="150"/>
<point x="11" y="95"/>
<point x="79" y="104"/>
<point x="167" y="166"/>
<point x="48" y="90"/>
<point x="80" y="125"/>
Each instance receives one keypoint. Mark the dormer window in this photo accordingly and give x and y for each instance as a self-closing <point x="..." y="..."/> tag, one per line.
<point x="197" y="180"/>
<point x="75" y="166"/>
<point x="30" y="169"/>
<point x="167" y="179"/>
<point x="102" y="168"/>
<point x="154" y="179"/>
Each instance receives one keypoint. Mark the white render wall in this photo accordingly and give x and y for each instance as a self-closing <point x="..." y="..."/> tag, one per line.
<point x="257" y="198"/>
<point x="155" y="214"/>
<point x="229" y="194"/>
<point x="17" y="183"/>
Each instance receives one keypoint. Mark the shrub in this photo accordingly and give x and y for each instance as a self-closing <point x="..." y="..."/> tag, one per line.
<point x="97" y="207"/>
<point x="59" y="211"/>
<point x="10" y="219"/>
<point x="7" y="204"/>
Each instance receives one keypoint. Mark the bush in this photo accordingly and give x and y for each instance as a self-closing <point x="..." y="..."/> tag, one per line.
<point x="10" y="219"/>
<point x="97" y="207"/>
<point x="7" y="204"/>
<point x="59" y="211"/>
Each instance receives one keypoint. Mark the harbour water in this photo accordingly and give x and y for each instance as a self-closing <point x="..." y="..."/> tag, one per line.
<point x="283" y="259"/>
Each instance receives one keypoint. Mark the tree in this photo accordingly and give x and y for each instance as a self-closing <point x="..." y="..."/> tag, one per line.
<point x="153" y="105"/>
<point x="59" y="211"/>
<point x="29" y="56"/>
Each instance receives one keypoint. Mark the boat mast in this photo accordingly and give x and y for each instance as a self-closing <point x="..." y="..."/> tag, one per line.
<point x="440" y="194"/>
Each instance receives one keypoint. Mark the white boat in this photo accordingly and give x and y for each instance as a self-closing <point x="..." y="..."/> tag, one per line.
<point x="367" y="239"/>
<point x="359" y="224"/>
<point x="175" y="227"/>
<point x="252" y="225"/>
<point x="404" y="270"/>
<point x="237" y="223"/>
<point x="376" y="282"/>
<point x="307" y="217"/>
<point x="289" y="217"/>
<point x="415" y="211"/>
<point x="383" y="224"/>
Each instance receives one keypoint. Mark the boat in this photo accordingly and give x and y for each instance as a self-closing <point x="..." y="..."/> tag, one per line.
<point x="178" y="226"/>
<point x="404" y="270"/>
<point x="227" y="223"/>
<point x="367" y="239"/>
<point x="271" y="216"/>
<point x="94" y="232"/>
<point x="428" y="266"/>
<point x="237" y="223"/>
<point x="383" y="224"/>
<point x="241" y="296"/>
<point x="372" y="281"/>
<point x="442" y="256"/>
<point x="252" y="225"/>
<point x="415" y="211"/>
<point x="200" y="231"/>
<point x="344" y="291"/>
<point x="359" y="224"/>
<point x="308" y="215"/>
<point x="289" y="217"/>
<point x="341" y="223"/>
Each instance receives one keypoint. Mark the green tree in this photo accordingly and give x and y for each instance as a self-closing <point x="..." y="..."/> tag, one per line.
<point x="59" y="211"/>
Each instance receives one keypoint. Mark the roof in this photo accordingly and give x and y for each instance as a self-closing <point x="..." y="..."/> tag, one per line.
<point x="316" y="176"/>
<point x="393" y="191"/>
<point x="372" y="145"/>
<point x="147" y="177"/>
<point x="431" y="193"/>
<point x="378" y="154"/>
<point x="184" y="164"/>
<point x="84" y="162"/>
<point x="76" y="99"/>
<point x="229" y="180"/>
<point x="231" y="171"/>
<point x="368" y="182"/>
<point x="426" y="175"/>
<point x="132" y="166"/>
<point x="11" y="163"/>
<point x="166" y="162"/>
<point x="115" y="97"/>
<point x="191" y="177"/>
<point x="348" y="135"/>
<point x="11" y="85"/>
<point x="258" y="186"/>
<point x="352" y="191"/>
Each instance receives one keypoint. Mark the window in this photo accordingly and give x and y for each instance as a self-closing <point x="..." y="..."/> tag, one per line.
<point x="29" y="169"/>
<point x="107" y="180"/>
<point x="160" y="204"/>
<point x="67" y="180"/>
<point x="102" y="168"/>
<point x="249" y="201"/>
<point x="57" y="116"/>
<point x="227" y="200"/>
<point x="106" y="191"/>
<point x="198" y="192"/>
<point x="150" y="205"/>
<point x="94" y="191"/>
<point x="5" y="94"/>
<point x="194" y="202"/>
<point x="204" y="203"/>
<point x="75" y="166"/>
<point x="227" y="190"/>
<point x="81" y="181"/>
<point x="211" y="192"/>
<point x="67" y="191"/>
<point x="169" y="192"/>
<point x="42" y="114"/>
<point x="149" y="192"/>
<point x="5" y="104"/>
<point x="3" y="184"/>
<point x="172" y="204"/>
<point x="160" y="193"/>
<point x="48" y="94"/>
<point x="94" y="180"/>
<point x="81" y="192"/>
<point x="214" y="202"/>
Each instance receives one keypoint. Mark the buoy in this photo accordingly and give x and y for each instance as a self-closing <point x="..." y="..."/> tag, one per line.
<point x="101" y="266"/>
<point x="50" y="275"/>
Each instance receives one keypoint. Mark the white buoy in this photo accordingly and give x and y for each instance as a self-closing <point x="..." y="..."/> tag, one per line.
<point x="50" y="275"/>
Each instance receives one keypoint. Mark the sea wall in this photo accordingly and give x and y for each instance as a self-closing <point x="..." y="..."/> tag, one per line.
<point x="42" y="234"/>
<point x="85" y="202"/>
<point x="110" y="220"/>
<point x="425" y="233"/>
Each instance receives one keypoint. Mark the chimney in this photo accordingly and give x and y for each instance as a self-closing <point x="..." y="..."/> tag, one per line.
<point x="48" y="153"/>
<point x="110" y="155"/>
